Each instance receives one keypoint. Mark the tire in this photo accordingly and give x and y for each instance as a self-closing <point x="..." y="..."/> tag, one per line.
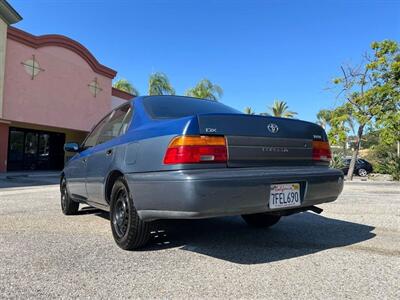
<point x="261" y="220"/>
<point x="129" y="231"/>
<point x="362" y="172"/>
<point x="68" y="206"/>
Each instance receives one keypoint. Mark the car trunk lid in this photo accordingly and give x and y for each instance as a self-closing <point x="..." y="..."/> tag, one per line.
<point x="263" y="140"/>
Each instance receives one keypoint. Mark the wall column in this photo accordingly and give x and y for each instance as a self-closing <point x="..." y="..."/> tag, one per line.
<point x="3" y="40"/>
<point x="3" y="146"/>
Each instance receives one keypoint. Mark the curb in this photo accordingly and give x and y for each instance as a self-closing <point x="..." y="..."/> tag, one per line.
<point x="372" y="182"/>
<point x="21" y="175"/>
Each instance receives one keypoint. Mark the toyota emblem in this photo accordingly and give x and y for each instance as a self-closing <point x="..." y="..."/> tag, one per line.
<point x="273" y="128"/>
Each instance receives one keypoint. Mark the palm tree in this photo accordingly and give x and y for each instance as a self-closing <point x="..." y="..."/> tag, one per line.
<point x="324" y="117"/>
<point x="159" y="85"/>
<point x="280" y="109"/>
<point x="124" y="85"/>
<point x="249" y="111"/>
<point x="205" y="89"/>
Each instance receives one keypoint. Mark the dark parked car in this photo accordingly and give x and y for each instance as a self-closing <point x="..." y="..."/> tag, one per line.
<point x="361" y="168"/>
<point x="169" y="157"/>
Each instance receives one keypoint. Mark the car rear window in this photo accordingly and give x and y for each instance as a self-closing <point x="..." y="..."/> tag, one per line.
<point x="172" y="107"/>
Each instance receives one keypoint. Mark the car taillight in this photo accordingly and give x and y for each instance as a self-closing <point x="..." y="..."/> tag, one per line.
<point x="321" y="151"/>
<point x="196" y="149"/>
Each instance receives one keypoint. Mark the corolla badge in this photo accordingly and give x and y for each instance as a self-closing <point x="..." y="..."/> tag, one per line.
<point x="273" y="128"/>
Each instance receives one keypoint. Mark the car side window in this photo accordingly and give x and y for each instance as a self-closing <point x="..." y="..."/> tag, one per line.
<point x="91" y="139"/>
<point x="114" y="125"/>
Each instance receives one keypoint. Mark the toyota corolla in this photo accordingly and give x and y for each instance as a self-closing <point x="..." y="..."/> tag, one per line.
<point x="170" y="157"/>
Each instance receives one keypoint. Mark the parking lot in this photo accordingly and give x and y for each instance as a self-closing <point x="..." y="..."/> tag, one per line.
<point x="351" y="250"/>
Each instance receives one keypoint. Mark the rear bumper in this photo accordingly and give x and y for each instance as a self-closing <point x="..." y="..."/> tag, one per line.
<point x="190" y="194"/>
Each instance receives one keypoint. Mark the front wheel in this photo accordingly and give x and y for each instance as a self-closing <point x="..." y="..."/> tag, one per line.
<point x="261" y="219"/>
<point x="129" y="231"/>
<point x="68" y="206"/>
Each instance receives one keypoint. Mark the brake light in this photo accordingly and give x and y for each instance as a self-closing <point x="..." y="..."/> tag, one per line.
<point x="196" y="149"/>
<point x="321" y="151"/>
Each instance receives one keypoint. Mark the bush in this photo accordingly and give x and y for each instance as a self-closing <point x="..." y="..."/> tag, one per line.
<point x="393" y="166"/>
<point x="337" y="161"/>
<point x="384" y="160"/>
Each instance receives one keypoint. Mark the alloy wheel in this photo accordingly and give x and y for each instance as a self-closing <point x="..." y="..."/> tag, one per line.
<point x="362" y="172"/>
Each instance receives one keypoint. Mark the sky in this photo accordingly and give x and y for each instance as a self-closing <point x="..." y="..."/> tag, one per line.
<point x="256" y="50"/>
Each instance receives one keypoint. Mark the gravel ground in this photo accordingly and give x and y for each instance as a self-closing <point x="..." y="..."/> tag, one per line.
<point x="350" y="251"/>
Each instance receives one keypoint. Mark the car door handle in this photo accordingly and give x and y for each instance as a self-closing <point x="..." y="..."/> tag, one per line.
<point x="109" y="152"/>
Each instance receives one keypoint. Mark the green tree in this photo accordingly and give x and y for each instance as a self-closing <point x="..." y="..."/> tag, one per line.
<point x="338" y="130"/>
<point x="205" y="89"/>
<point x="371" y="91"/>
<point x="124" y="85"/>
<point x="324" y="117"/>
<point x="249" y="111"/>
<point x="281" y="109"/>
<point x="389" y="129"/>
<point x="342" y="124"/>
<point x="371" y="138"/>
<point x="159" y="85"/>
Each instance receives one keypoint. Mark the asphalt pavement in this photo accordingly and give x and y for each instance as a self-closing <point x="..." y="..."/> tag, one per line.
<point x="351" y="250"/>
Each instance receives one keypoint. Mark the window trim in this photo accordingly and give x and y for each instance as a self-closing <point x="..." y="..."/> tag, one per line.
<point x="111" y="115"/>
<point x="82" y="146"/>
<point x="107" y="116"/>
<point x="130" y="121"/>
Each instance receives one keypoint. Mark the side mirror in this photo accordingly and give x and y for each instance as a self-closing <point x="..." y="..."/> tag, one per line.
<point x="71" y="147"/>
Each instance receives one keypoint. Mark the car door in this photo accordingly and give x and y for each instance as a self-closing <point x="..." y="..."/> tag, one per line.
<point x="366" y="165"/>
<point x="76" y="168"/>
<point x="100" y="161"/>
<point x="75" y="175"/>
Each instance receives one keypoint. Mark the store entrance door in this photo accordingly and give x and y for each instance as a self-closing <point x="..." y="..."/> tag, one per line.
<point x="35" y="150"/>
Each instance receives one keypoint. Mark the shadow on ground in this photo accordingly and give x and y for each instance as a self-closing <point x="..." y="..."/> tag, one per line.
<point x="87" y="210"/>
<point x="25" y="181"/>
<point x="232" y="240"/>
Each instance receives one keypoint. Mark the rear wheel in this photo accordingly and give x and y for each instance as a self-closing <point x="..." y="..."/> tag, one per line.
<point x="129" y="231"/>
<point x="362" y="172"/>
<point x="261" y="219"/>
<point x="68" y="206"/>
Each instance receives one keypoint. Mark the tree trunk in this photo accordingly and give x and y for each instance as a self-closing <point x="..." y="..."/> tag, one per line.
<point x="355" y="153"/>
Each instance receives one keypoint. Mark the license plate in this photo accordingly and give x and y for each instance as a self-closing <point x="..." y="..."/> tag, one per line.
<point x="284" y="195"/>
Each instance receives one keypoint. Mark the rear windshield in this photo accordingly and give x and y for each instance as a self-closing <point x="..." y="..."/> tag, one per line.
<point x="172" y="107"/>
